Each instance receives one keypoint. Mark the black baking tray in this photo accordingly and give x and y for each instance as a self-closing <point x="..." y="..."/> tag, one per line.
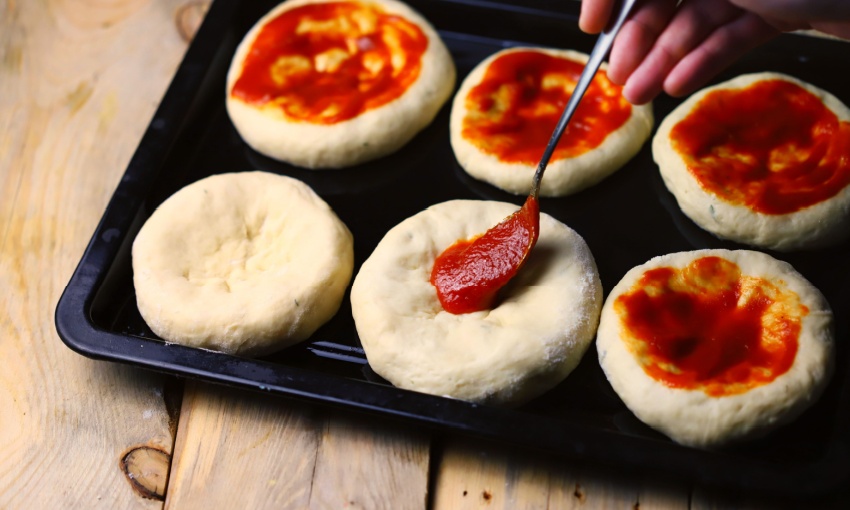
<point x="627" y="219"/>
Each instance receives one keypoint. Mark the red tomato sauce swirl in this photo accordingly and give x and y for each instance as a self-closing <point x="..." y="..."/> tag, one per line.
<point x="708" y="327"/>
<point x="773" y="147"/>
<point x="512" y="112"/>
<point x="330" y="62"/>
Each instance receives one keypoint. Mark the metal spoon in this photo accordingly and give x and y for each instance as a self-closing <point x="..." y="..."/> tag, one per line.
<point x="600" y="51"/>
<point x="468" y="279"/>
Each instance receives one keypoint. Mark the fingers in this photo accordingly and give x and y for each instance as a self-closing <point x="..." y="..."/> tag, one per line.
<point x="637" y="36"/>
<point x="692" y="23"/>
<point x="594" y="15"/>
<point x="722" y="47"/>
<point x="678" y="45"/>
<point x="836" y="28"/>
<point x="797" y="11"/>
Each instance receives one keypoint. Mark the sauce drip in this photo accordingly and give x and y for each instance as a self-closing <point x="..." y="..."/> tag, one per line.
<point x="772" y="147"/>
<point x="469" y="273"/>
<point x="326" y="63"/>
<point x="707" y="327"/>
<point x="514" y="110"/>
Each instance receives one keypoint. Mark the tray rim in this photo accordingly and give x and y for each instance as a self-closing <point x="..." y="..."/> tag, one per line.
<point x="78" y="331"/>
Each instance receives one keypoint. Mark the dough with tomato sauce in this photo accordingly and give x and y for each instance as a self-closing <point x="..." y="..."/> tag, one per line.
<point x="244" y="263"/>
<point x="489" y="120"/>
<point x="308" y="125"/>
<point x="542" y="324"/>
<point x="749" y="198"/>
<point x="661" y="325"/>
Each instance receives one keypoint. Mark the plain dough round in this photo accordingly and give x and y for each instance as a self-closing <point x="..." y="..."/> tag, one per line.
<point x="373" y="134"/>
<point x="563" y="176"/>
<point x="693" y="418"/>
<point x="527" y="344"/>
<point x="245" y="263"/>
<point x="823" y="224"/>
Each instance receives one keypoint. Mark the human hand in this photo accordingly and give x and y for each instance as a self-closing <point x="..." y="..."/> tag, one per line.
<point x="678" y="48"/>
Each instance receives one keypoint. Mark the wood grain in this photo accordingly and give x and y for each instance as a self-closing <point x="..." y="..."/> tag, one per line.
<point x="79" y="81"/>
<point x="366" y="464"/>
<point x="478" y="475"/>
<point x="237" y="449"/>
<point x="474" y="475"/>
<point x="69" y="123"/>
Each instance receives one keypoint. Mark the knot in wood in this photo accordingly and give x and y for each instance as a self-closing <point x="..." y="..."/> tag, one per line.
<point x="189" y="17"/>
<point x="146" y="468"/>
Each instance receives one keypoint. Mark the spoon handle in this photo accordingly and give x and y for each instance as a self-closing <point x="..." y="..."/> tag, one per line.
<point x="600" y="51"/>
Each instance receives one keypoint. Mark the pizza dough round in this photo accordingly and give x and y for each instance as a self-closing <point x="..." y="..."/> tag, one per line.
<point x="535" y="336"/>
<point x="719" y="402"/>
<point x="824" y="223"/>
<point x="244" y="263"/>
<point x="583" y="166"/>
<point x="289" y="129"/>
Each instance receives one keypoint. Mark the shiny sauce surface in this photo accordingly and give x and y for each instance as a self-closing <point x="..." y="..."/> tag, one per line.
<point x="469" y="273"/>
<point x="773" y="147"/>
<point x="708" y="327"/>
<point x="326" y="63"/>
<point x="512" y="112"/>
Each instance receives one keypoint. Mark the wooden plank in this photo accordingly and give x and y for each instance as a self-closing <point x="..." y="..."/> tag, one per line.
<point x="472" y="475"/>
<point x="284" y="455"/>
<point x="477" y="475"/>
<point x="366" y="464"/>
<point x="663" y="495"/>
<point x="80" y="81"/>
<point x="703" y="498"/>
<point x="238" y="449"/>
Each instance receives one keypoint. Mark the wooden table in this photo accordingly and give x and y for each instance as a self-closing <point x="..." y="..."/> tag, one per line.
<point x="79" y="82"/>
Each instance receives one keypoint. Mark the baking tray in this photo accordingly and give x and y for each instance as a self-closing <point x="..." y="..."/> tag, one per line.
<point x="627" y="219"/>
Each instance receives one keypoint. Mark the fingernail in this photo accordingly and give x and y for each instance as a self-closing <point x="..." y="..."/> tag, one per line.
<point x="636" y="97"/>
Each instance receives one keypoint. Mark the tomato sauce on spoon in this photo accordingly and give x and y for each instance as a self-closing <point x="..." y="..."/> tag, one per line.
<point x="470" y="272"/>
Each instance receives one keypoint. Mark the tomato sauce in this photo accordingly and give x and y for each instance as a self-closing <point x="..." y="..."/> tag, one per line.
<point x="514" y="110"/>
<point x="326" y="63"/>
<point x="468" y="274"/>
<point x="772" y="147"/>
<point x="707" y="327"/>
